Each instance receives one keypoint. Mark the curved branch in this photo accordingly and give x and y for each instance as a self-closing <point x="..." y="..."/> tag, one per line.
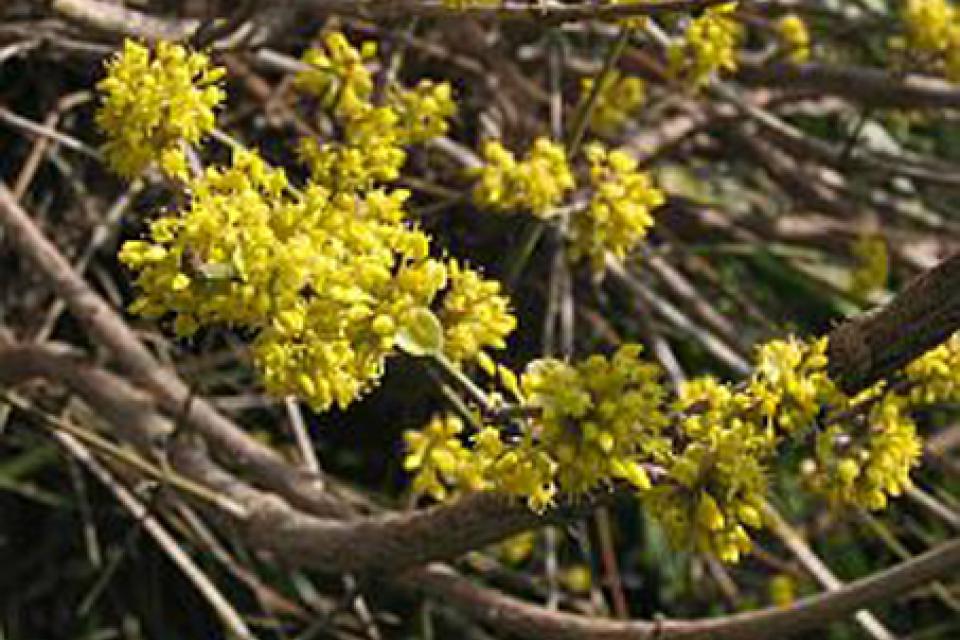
<point x="390" y="543"/>
<point x="387" y="542"/>
<point x="514" y="616"/>
<point x="874" y="87"/>
<point x="130" y="412"/>
<point x="105" y="326"/>
<point x="117" y="19"/>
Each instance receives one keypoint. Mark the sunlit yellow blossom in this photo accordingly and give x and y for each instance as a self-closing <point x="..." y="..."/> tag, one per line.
<point x="796" y="38"/>
<point x="326" y="276"/>
<point x="933" y="30"/>
<point x="439" y="458"/>
<point x="475" y="314"/>
<point x="790" y="383"/>
<point x="709" y="45"/>
<point x="371" y="148"/>
<point x="730" y="434"/>
<point x="865" y="468"/>
<point x="325" y="280"/>
<point x="618" y="98"/>
<point x="155" y="102"/>
<point x="423" y="111"/>
<point x="338" y="75"/>
<point x="369" y="154"/>
<point x="537" y="183"/>
<point x="619" y="213"/>
<point x="599" y="418"/>
<point x="935" y="376"/>
<point x="865" y="465"/>
<point x="718" y="477"/>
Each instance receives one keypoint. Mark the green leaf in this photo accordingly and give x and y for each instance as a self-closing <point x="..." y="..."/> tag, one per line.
<point x="421" y="333"/>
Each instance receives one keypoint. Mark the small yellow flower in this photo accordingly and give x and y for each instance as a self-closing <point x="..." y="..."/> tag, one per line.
<point x="537" y="183"/>
<point x="709" y="45"/>
<point x="153" y="102"/>
<point x="475" y="314"/>
<point x="796" y="38"/>
<point x="933" y="30"/>
<point x="337" y="74"/>
<point x="620" y="210"/>
<point x="618" y="98"/>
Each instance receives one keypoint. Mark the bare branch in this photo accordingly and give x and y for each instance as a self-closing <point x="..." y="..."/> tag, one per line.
<point x="513" y="616"/>
<point x="873" y="87"/>
<point x="106" y="326"/>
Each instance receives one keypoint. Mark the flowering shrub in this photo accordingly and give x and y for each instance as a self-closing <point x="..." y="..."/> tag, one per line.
<point x="333" y="276"/>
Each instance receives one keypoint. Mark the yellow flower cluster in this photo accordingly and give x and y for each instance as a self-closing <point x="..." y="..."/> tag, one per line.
<point x="475" y="316"/>
<point x="935" y="376"/>
<point x="933" y="31"/>
<point x="369" y="154"/>
<point x="618" y="98"/>
<point x="338" y="76"/>
<point x="602" y="419"/>
<point x="537" y="183"/>
<point x="423" y="111"/>
<point x="329" y="277"/>
<point x="793" y="31"/>
<point x="790" y="383"/>
<point x="619" y="214"/>
<point x="709" y="45"/>
<point x="440" y="459"/>
<point x="326" y="279"/>
<point x="599" y="418"/>
<point x="371" y="151"/>
<point x="873" y="266"/>
<point x="155" y="102"/>
<point x="597" y="421"/>
<point x="864" y="469"/>
<point x="717" y="478"/>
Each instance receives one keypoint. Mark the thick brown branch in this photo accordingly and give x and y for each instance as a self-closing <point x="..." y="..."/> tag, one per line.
<point x="388" y="542"/>
<point x="374" y="546"/>
<point x="130" y="412"/>
<point x="385" y="545"/>
<point x="877" y="344"/>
